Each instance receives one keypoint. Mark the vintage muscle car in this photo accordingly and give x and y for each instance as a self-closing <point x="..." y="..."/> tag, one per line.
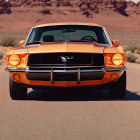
<point x="67" y="55"/>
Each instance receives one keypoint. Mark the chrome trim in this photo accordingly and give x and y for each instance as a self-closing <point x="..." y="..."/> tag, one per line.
<point x="28" y="37"/>
<point x="51" y="76"/>
<point x="79" y="76"/>
<point x="108" y="38"/>
<point x="66" y="67"/>
<point x="78" y="71"/>
<point x="116" y="69"/>
<point x="64" y="70"/>
<point x="104" y="29"/>
<point x="57" y="24"/>
<point x="16" y="70"/>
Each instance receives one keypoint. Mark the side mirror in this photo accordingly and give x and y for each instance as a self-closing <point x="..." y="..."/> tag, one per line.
<point x="116" y="43"/>
<point x="21" y="43"/>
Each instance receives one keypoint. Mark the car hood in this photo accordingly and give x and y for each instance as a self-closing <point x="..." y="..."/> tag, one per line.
<point x="83" y="47"/>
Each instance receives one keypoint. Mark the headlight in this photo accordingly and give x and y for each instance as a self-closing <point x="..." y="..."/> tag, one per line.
<point x="14" y="60"/>
<point x="117" y="59"/>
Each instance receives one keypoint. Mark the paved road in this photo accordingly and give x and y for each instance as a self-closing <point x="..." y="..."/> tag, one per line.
<point x="71" y="114"/>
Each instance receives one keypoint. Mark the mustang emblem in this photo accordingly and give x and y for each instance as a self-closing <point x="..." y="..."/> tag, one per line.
<point x="65" y="59"/>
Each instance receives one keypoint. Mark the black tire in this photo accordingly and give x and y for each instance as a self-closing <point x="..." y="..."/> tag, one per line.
<point x="16" y="91"/>
<point x="118" y="89"/>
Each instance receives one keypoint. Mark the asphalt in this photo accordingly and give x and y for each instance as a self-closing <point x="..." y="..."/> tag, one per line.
<point x="71" y="114"/>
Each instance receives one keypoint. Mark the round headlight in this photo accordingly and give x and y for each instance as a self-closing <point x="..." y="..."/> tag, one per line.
<point x="14" y="60"/>
<point x="117" y="59"/>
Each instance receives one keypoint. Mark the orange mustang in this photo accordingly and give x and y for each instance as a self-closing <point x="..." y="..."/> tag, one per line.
<point x="67" y="55"/>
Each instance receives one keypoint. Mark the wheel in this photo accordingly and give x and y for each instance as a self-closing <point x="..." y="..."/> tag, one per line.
<point x="118" y="89"/>
<point x="16" y="92"/>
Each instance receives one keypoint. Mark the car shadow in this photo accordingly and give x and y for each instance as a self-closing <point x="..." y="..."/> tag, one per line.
<point x="77" y="95"/>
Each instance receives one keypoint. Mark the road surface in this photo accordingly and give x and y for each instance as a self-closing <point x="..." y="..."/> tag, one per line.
<point x="71" y="114"/>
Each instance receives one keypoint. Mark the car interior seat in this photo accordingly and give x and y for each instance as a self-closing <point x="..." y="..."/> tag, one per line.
<point x="48" y="38"/>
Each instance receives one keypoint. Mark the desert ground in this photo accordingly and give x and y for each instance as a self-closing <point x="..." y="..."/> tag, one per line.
<point x="71" y="114"/>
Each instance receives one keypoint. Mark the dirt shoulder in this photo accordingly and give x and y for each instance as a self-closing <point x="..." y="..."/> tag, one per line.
<point x="3" y="50"/>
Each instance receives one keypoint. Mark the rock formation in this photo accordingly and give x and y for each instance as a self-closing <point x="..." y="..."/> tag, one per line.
<point x="87" y="7"/>
<point x="5" y="7"/>
<point x="133" y="8"/>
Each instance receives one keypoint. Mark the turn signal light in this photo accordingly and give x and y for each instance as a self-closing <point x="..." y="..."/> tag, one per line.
<point x="114" y="77"/>
<point x="16" y="77"/>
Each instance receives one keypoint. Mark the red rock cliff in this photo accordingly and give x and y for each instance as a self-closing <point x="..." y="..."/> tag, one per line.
<point x="87" y="7"/>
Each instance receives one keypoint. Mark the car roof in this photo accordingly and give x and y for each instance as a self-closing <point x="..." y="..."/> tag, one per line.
<point x="67" y="23"/>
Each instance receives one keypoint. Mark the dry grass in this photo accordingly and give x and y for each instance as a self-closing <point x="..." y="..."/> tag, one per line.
<point x="131" y="57"/>
<point x="3" y="51"/>
<point x="138" y="60"/>
<point x="1" y="55"/>
<point x="126" y="38"/>
<point x="8" y="41"/>
<point x="16" y="35"/>
<point x="133" y="49"/>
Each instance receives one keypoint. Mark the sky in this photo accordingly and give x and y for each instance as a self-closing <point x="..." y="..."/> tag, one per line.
<point x="134" y="0"/>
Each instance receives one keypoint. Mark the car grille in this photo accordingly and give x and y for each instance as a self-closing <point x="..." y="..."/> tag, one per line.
<point x="66" y="59"/>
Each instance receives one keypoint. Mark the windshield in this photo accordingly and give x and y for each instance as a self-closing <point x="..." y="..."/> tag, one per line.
<point x="67" y="33"/>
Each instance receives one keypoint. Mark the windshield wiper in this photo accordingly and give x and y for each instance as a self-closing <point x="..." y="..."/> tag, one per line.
<point x="35" y="42"/>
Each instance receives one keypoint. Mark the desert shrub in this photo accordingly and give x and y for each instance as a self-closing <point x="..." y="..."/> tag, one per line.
<point x="46" y="12"/>
<point x="1" y="55"/>
<point x="8" y="41"/>
<point x="138" y="50"/>
<point x="138" y="60"/>
<point x="131" y="57"/>
<point x="132" y="48"/>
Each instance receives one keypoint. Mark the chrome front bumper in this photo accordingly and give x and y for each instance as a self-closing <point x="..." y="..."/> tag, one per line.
<point x="65" y="70"/>
<point x="76" y="74"/>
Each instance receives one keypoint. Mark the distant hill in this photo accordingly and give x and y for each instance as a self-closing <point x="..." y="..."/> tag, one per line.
<point x="17" y="14"/>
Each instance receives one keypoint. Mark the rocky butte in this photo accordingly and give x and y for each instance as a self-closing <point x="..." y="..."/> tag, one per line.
<point x="87" y="7"/>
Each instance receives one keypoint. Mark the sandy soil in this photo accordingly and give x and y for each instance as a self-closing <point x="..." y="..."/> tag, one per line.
<point x="2" y="61"/>
<point x="30" y="17"/>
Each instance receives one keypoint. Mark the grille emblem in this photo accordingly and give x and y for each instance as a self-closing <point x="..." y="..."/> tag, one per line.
<point x="65" y="59"/>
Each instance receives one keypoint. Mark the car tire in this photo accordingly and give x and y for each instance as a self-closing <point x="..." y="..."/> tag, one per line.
<point x="118" y="89"/>
<point x="16" y="91"/>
